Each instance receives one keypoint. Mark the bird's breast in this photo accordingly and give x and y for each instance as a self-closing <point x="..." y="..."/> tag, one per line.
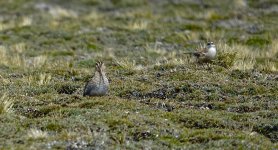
<point x="211" y="52"/>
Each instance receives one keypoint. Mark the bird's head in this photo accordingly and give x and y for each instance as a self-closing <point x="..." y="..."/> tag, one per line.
<point x="210" y="44"/>
<point x="100" y="67"/>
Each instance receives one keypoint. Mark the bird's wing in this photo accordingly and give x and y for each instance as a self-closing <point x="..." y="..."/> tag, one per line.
<point x="205" y="50"/>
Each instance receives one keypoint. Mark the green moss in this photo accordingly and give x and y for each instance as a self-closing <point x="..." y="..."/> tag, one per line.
<point x="269" y="130"/>
<point x="54" y="127"/>
<point x="129" y="3"/>
<point x="92" y="47"/>
<point x="257" y="41"/>
<point x="91" y="2"/>
<point x="201" y="122"/>
<point x="37" y="90"/>
<point x="175" y="38"/>
<point x="67" y="88"/>
<point x="234" y="40"/>
<point x="170" y="140"/>
<point x="240" y="74"/>
<point x="115" y="123"/>
<point x="217" y="16"/>
<point x="193" y="27"/>
<point x="60" y="53"/>
<point x="226" y="60"/>
<point x="91" y="104"/>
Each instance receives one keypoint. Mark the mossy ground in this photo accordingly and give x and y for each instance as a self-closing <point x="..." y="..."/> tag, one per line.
<point x="159" y="98"/>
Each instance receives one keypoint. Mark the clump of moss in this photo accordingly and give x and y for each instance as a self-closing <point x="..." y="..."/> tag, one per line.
<point x="66" y="88"/>
<point x="88" y="63"/>
<point x="214" y="16"/>
<point x="240" y="74"/>
<point x="257" y="42"/>
<point x="176" y="38"/>
<point x="92" y="47"/>
<point x="60" y="53"/>
<point x="268" y="129"/>
<point x="54" y="127"/>
<point x="233" y="40"/>
<point x="193" y="27"/>
<point x="226" y="59"/>
<point x="128" y="3"/>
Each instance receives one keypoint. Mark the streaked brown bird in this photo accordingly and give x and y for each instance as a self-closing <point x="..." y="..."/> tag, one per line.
<point x="98" y="85"/>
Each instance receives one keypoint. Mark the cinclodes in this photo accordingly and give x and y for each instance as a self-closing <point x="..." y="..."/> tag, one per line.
<point x="98" y="85"/>
<point x="205" y="54"/>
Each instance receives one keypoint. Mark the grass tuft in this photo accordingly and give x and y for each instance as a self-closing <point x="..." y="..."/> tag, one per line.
<point x="226" y="60"/>
<point x="129" y="65"/>
<point x="6" y="104"/>
<point x="36" y="134"/>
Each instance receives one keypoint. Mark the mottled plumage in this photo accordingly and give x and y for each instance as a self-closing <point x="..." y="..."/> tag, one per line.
<point x="205" y="54"/>
<point x="98" y="85"/>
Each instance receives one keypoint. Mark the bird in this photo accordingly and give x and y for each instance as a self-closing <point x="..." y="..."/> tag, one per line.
<point x="99" y="84"/>
<point x="205" y="54"/>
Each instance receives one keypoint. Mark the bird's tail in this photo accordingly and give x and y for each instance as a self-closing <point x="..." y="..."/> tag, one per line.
<point x="196" y="54"/>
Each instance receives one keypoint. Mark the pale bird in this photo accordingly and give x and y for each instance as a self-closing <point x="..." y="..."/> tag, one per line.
<point x="99" y="84"/>
<point x="205" y="54"/>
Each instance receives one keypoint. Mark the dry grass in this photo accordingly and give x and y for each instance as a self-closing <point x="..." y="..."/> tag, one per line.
<point x="155" y="49"/>
<point x="128" y="64"/>
<point x="140" y="25"/>
<point x="36" y="134"/>
<point x="6" y="104"/>
<point x="246" y="56"/>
